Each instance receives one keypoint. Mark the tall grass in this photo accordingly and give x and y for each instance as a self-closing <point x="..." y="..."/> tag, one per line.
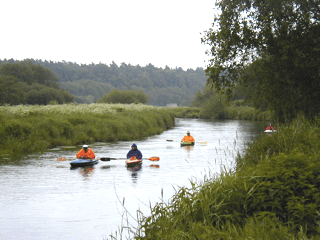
<point x="221" y="109"/>
<point x="29" y="129"/>
<point x="246" y="113"/>
<point x="274" y="193"/>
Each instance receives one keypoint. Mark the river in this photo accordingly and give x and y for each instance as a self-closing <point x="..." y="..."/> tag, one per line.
<point x="42" y="198"/>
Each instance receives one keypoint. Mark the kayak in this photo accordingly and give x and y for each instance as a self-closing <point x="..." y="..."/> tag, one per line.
<point x="186" y="144"/>
<point x="270" y="131"/>
<point x="131" y="162"/>
<point x="83" y="162"/>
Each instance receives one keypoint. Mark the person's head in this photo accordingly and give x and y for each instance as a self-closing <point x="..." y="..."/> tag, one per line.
<point x="134" y="147"/>
<point x="188" y="133"/>
<point x="270" y="124"/>
<point x="85" y="147"/>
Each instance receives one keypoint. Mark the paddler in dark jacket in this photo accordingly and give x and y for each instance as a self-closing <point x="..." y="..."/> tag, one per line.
<point x="86" y="153"/>
<point x="134" y="152"/>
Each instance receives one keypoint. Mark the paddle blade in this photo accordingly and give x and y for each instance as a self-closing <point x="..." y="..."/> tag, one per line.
<point x="203" y="142"/>
<point x="168" y="140"/>
<point x="154" y="159"/>
<point x="61" y="159"/>
<point x="106" y="159"/>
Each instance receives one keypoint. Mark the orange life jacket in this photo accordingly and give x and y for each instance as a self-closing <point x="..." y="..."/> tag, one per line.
<point x="187" y="139"/>
<point x="269" y="128"/>
<point x="89" y="154"/>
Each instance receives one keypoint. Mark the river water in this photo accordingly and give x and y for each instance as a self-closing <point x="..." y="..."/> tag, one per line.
<point x="42" y="198"/>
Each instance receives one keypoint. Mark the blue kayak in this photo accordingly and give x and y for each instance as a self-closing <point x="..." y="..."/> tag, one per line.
<point x="83" y="162"/>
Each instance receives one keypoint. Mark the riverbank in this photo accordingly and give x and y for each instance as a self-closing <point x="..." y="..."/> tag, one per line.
<point x="272" y="194"/>
<point x="26" y="129"/>
<point x="234" y="111"/>
<point x="29" y="129"/>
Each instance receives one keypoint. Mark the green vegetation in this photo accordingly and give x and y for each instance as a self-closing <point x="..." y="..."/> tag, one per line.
<point x="126" y="97"/>
<point x="29" y="83"/>
<point x="88" y="83"/>
<point x="215" y="105"/>
<point x="265" y="57"/>
<point x="271" y="49"/>
<point x="273" y="194"/>
<point x="29" y="129"/>
<point x="186" y="112"/>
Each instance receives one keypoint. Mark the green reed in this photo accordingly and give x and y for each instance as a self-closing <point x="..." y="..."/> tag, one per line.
<point x="274" y="193"/>
<point x="29" y="129"/>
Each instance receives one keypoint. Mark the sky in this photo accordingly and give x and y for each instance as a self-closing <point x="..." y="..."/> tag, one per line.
<point x="136" y="32"/>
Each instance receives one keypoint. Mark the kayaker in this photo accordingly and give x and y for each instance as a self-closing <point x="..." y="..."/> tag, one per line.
<point x="188" y="138"/>
<point x="134" y="152"/>
<point x="270" y="127"/>
<point x="86" y="153"/>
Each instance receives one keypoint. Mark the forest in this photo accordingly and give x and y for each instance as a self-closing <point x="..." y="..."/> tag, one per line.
<point x="88" y="83"/>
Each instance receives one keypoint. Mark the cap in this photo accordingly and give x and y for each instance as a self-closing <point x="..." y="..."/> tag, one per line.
<point x="85" y="146"/>
<point x="188" y="132"/>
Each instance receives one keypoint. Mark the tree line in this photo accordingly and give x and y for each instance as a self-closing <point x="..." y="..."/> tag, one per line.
<point x="90" y="82"/>
<point x="28" y="83"/>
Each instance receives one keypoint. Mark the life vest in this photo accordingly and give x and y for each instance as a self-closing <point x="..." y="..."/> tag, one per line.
<point x="89" y="154"/>
<point x="187" y="139"/>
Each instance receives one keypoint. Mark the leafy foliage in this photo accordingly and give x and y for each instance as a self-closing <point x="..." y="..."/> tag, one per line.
<point x="130" y="96"/>
<point x="215" y="105"/>
<point x="28" y="83"/>
<point x="91" y="82"/>
<point x="285" y="38"/>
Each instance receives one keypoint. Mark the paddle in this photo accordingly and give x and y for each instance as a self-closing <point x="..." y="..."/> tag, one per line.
<point x="106" y="159"/>
<point x="65" y="159"/>
<point x="203" y="142"/>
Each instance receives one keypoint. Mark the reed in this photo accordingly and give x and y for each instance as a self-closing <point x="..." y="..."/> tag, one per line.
<point x="274" y="193"/>
<point x="186" y="112"/>
<point x="247" y="113"/>
<point x="30" y="129"/>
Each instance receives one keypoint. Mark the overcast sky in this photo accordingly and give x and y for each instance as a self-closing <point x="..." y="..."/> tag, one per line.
<point x="165" y="32"/>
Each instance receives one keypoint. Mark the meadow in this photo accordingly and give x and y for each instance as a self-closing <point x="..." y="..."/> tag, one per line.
<point x="26" y="129"/>
<point x="273" y="193"/>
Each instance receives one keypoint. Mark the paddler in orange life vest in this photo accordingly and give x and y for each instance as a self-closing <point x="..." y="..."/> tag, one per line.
<point x="188" y="138"/>
<point x="134" y="152"/>
<point x="86" y="153"/>
<point x="270" y="127"/>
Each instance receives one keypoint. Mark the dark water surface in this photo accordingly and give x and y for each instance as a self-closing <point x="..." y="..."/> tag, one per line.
<point x="42" y="198"/>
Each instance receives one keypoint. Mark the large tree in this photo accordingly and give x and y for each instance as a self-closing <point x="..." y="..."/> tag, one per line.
<point x="28" y="83"/>
<point x="285" y="36"/>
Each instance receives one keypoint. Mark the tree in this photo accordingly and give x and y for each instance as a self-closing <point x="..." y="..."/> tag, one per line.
<point x="11" y="90"/>
<point x="285" y="36"/>
<point x="28" y="83"/>
<point x="130" y="96"/>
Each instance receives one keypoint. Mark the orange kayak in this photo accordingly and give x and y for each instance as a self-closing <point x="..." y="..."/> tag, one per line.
<point x="133" y="161"/>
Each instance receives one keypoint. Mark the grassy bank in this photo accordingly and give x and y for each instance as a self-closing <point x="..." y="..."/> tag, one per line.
<point x="274" y="193"/>
<point x="234" y="110"/>
<point x="29" y="129"/>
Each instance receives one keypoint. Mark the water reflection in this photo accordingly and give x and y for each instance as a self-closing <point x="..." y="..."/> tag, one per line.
<point x="134" y="171"/>
<point x="107" y="167"/>
<point x="154" y="166"/>
<point x="188" y="148"/>
<point x="84" y="171"/>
